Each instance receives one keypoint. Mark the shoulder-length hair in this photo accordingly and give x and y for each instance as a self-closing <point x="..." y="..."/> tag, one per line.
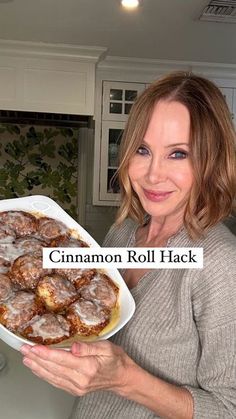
<point x="212" y="149"/>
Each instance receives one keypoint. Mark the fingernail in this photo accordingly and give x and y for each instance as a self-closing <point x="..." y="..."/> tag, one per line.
<point x="26" y="361"/>
<point x="24" y="350"/>
<point x="76" y="348"/>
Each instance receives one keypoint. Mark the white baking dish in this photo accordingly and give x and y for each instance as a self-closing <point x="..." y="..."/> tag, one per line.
<point x="46" y="206"/>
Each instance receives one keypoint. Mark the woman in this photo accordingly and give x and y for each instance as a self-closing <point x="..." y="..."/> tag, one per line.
<point x="176" y="356"/>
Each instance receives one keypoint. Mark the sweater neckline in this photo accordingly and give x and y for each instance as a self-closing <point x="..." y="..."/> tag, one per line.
<point x="131" y="243"/>
<point x="132" y="239"/>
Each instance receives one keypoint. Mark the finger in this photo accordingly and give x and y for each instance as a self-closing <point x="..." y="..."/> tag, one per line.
<point x="47" y="365"/>
<point x="60" y="376"/>
<point x="84" y="349"/>
<point x="59" y="362"/>
<point x="55" y="380"/>
<point x="57" y="356"/>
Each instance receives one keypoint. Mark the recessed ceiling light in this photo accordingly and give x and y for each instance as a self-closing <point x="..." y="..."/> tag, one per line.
<point x="130" y="4"/>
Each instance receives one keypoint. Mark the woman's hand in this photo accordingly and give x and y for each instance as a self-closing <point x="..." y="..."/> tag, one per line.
<point x="105" y="366"/>
<point x="88" y="367"/>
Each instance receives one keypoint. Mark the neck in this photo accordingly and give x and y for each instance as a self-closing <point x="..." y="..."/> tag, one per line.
<point x="158" y="231"/>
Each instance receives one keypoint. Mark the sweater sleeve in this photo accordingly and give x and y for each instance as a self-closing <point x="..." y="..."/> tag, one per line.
<point x="214" y="309"/>
<point x="119" y="234"/>
<point x="110" y="236"/>
<point x="216" y="397"/>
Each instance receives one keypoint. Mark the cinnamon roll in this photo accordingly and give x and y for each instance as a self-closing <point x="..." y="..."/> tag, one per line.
<point x="48" y="329"/>
<point x="19" y="309"/>
<point x="88" y="317"/>
<point x="6" y="288"/>
<point x="67" y="241"/>
<point x="78" y="277"/>
<point x="100" y="289"/>
<point x="56" y="292"/>
<point x="30" y="244"/>
<point x="7" y="233"/>
<point x="26" y="271"/>
<point x="50" y="229"/>
<point x="22" y="223"/>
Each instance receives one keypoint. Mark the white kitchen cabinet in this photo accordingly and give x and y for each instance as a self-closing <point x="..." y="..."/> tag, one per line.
<point x="111" y="136"/>
<point x="52" y="78"/>
<point x="230" y="97"/>
<point x="118" y="98"/>
<point x="228" y="93"/>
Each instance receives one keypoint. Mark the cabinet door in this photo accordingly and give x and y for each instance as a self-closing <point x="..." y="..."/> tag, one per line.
<point x="234" y="107"/>
<point x="228" y="95"/>
<point x="111" y="137"/>
<point x="118" y="98"/>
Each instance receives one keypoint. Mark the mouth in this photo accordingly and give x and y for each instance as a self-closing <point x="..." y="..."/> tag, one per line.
<point x="156" y="196"/>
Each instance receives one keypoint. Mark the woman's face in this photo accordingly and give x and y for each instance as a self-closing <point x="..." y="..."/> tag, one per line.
<point x="160" y="171"/>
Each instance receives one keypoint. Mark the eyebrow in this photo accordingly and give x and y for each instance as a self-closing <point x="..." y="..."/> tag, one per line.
<point x="170" y="145"/>
<point x="177" y="144"/>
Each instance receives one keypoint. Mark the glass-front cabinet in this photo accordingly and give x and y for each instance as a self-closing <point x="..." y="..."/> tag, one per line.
<point x="117" y="100"/>
<point x="111" y="137"/>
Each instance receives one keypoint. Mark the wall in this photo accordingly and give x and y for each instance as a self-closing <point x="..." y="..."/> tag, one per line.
<point x="98" y="219"/>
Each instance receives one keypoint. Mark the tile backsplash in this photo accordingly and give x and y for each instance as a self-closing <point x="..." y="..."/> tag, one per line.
<point x="39" y="160"/>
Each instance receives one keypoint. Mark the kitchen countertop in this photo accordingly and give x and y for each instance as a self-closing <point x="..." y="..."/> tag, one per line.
<point x="25" y="396"/>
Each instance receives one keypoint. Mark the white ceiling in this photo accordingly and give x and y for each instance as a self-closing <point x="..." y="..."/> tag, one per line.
<point x="160" y="29"/>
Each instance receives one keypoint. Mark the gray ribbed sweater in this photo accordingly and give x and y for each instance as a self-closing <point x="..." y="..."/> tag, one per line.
<point x="183" y="330"/>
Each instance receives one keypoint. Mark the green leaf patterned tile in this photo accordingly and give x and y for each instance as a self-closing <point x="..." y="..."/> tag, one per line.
<point x="39" y="160"/>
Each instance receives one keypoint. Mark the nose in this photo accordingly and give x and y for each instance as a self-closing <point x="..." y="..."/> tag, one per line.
<point x="157" y="171"/>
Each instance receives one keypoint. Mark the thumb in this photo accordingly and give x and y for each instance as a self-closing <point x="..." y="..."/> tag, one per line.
<point x="91" y="348"/>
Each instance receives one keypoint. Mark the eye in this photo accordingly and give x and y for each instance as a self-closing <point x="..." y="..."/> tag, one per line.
<point x="179" y="155"/>
<point x="142" y="150"/>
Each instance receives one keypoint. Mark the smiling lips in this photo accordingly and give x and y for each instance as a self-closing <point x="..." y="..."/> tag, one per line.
<point x="156" y="196"/>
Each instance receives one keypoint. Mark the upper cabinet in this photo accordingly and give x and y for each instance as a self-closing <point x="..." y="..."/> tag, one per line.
<point x="227" y="85"/>
<point x="111" y="136"/>
<point x="118" y="99"/>
<point x="48" y="77"/>
<point x="230" y="97"/>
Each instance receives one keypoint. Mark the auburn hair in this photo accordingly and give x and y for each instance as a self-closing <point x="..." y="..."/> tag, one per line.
<point x="212" y="149"/>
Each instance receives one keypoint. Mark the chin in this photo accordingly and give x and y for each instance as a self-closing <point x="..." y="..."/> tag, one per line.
<point x="157" y="212"/>
<point x="159" y="209"/>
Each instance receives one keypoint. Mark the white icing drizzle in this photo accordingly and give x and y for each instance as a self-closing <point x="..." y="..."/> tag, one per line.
<point x="5" y="287"/>
<point x="21" y="222"/>
<point x="89" y="312"/>
<point x="99" y="290"/>
<point x="10" y="251"/>
<point x="18" y="303"/>
<point x="49" y="326"/>
<point x="61" y="288"/>
<point x="74" y="274"/>
<point x="50" y="228"/>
